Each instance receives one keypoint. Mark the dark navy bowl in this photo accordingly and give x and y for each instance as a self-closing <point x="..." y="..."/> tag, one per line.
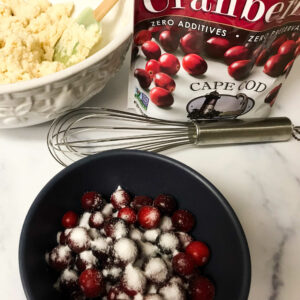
<point x="141" y="173"/>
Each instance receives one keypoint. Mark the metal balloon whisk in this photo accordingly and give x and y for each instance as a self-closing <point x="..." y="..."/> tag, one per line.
<point x="86" y="131"/>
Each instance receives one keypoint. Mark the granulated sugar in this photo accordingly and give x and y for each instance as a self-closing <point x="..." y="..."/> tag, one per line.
<point x="126" y="250"/>
<point x="107" y="210"/>
<point x="89" y="258"/>
<point x="79" y="236"/>
<point x="166" y="223"/>
<point x="134" y="278"/>
<point x="156" y="270"/>
<point x="152" y="234"/>
<point x="172" y="291"/>
<point x="84" y="220"/>
<point x="100" y="244"/>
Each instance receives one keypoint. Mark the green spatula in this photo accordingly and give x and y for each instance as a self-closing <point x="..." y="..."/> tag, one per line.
<point x="76" y="42"/>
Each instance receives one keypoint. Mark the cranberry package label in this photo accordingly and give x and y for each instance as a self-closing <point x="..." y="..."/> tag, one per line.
<point x="211" y="59"/>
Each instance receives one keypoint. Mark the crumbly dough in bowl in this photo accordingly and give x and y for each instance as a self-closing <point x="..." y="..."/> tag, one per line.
<point x="29" y="31"/>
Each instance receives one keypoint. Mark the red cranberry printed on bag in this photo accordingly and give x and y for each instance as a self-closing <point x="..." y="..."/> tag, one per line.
<point x="211" y="59"/>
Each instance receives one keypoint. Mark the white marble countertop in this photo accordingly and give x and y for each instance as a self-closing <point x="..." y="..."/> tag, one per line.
<point x="261" y="182"/>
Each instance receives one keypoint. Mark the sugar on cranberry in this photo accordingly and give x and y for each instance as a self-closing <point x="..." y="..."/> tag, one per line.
<point x="153" y="297"/>
<point x="112" y="273"/>
<point x="60" y="257"/>
<point x="148" y="249"/>
<point x="86" y="260"/>
<point x="201" y="288"/>
<point x="166" y="224"/>
<point x="156" y="270"/>
<point x="199" y="251"/>
<point x="94" y="233"/>
<point x="152" y="234"/>
<point x="120" y="198"/>
<point x="136" y="235"/>
<point x="69" y="219"/>
<point x="128" y="214"/>
<point x="78" y="239"/>
<point x="140" y="201"/>
<point x="126" y="250"/>
<point x="183" y="220"/>
<point x="168" y="242"/>
<point x="172" y="291"/>
<point x="149" y="217"/>
<point x="68" y="281"/>
<point x="133" y="281"/>
<point x="116" y="228"/>
<point x="165" y="203"/>
<point x="183" y="264"/>
<point x="116" y="293"/>
<point x="96" y="220"/>
<point x="91" y="283"/>
<point x="184" y="238"/>
<point x="107" y="210"/>
<point x="101" y="248"/>
<point x="92" y="201"/>
<point x="84" y="220"/>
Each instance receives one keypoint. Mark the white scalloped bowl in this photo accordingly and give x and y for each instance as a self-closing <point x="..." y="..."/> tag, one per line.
<point x="42" y="99"/>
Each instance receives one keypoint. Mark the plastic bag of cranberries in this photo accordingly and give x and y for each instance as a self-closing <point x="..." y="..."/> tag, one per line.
<point x="211" y="59"/>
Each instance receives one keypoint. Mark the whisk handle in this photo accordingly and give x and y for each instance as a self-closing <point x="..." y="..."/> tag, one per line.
<point x="242" y="131"/>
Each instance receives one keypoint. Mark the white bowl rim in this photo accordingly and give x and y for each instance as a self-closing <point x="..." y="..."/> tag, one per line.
<point x="60" y="75"/>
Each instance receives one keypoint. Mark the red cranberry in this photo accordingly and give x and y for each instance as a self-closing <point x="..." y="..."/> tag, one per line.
<point x="169" y="40"/>
<point x="192" y="42"/>
<point x="116" y="228"/>
<point x="288" y="68"/>
<point x="63" y="238"/>
<point x="164" y="81"/>
<point x="143" y="78"/>
<point x="152" y="67"/>
<point x="295" y="36"/>
<point x="298" y="42"/>
<point x="240" y="69"/>
<point x="78" y="239"/>
<point x="120" y="199"/>
<point x="134" y="53"/>
<point x="183" y="220"/>
<point x="68" y="281"/>
<point x="91" y="283"/>
<point x="60" y="258"/>
<point x="149" y="217"/>
<point x="69" y="219"/>
<point x="201" y="288"/>
<point x="156" y="30"/>
<point x="199" y="251"/>
<point x="262" y="57"/>
<point x="140" y="201"/>
<point x="287" y="48"/>
<point x="216" y="47"/>
<point x="115" y="292"/>
<point x="169" y="64"/>
<point x="128" y="214"/>
<point x="277" y="43"/>
<point x="142" y="36"/>
<point x="183" y="264"/>
<point x="96" y="220"/>
<point x="92" y="201"/>
<point x="165" y="203"/>
<point x="151" y="50"/>
<point x="194" y="64"/>
<point x="297" y="51"/>
<point x="161" y="97"/>
<point x="236" y="53"/>
<point x="271" y="98"/>
<point x="275" y="65"/>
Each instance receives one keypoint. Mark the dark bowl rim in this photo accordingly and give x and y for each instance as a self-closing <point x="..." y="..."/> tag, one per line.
<point x="240" y="232"/>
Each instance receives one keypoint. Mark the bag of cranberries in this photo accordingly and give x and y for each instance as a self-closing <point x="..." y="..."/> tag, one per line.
<point x="211" y="59"/>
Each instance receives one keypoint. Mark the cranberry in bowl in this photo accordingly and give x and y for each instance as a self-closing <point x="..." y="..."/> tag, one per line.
<point x="177" y="235"/>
